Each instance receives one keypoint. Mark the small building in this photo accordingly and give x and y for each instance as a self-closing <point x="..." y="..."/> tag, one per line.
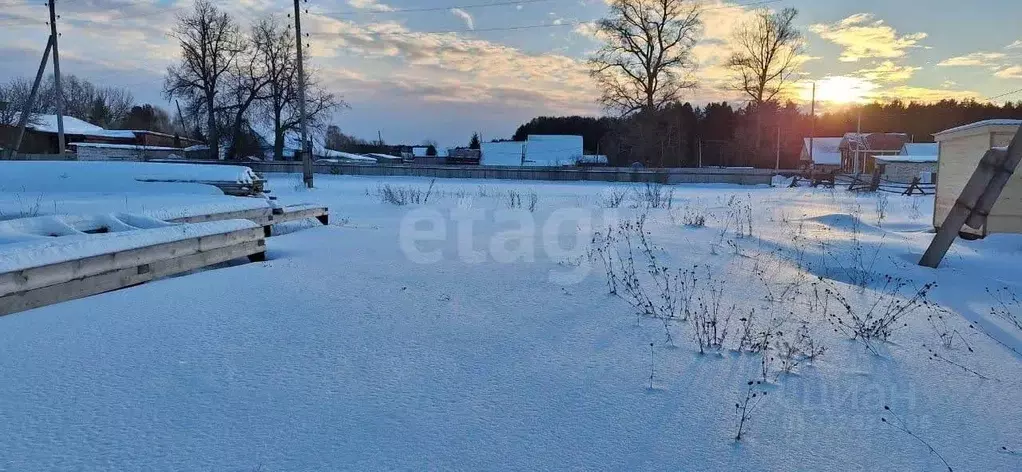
<point x="539" y="150"/>
<point x="825" y="155"/>
<point x="859" y="150"/>
<point x="41" y="135"/>
<point x="905" y="168"/>
<point x="464" y="156"/>
<point x="961" y="149"/>
<point x="502" y="153"/>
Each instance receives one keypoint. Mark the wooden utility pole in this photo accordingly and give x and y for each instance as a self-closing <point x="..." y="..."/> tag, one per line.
<point x="181" y="117"/>
<point x="812" y="126"/>
<point x="26" y="113"/>
<point x="858" y="141"/>
<point x="977" y="198"/>
<point x="306" y="148"/>
<point x="777" y="163"/>
<point x="700" y="141"/>
<point x="56" y="78"/>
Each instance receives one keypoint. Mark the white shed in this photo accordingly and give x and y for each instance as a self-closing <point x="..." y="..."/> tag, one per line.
<point x="502" y="153"/>
<point x="552" y="150"/>
<point x="961" y="149"/>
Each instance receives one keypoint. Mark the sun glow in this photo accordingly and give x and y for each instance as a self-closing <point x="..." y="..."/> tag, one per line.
<point x="840" y="90"/>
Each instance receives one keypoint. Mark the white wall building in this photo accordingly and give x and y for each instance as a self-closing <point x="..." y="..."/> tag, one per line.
<point x="537" y="151"/>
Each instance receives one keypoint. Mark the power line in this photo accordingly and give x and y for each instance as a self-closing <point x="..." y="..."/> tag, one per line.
<point x="524" y="27"/>
<point x="995" y="97"/>
<point x="429" y="9"/>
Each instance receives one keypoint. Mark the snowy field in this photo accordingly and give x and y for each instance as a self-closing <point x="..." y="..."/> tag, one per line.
<point x="472" y="328"/>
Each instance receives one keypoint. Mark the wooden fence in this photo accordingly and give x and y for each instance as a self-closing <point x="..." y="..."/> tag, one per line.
<point x="742" y="176"/>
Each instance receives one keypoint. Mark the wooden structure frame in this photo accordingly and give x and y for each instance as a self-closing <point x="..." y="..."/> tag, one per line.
<point x="265" y="217"/>
<point x="48" y="284"/>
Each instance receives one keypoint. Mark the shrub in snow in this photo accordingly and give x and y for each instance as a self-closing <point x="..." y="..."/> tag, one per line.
<point x="938" y="357"/>
<point x="613" y="198"/>
<point x="712" y="318"/>
<point x="801" y="348"/>
<point x="899" y="424"/>
<point x="396" y="195"/>
<point x="880" y="315"/>
<point x="657" y="292"/>
<point x="1006" y="306"/>
<point x="744" y="408"/>
<point x="881" y="208"/>
<point x="654" y="195"/>
<point x="693" y="218"/>
<point x="515" y="200"/>
<point x="945" y="332"/>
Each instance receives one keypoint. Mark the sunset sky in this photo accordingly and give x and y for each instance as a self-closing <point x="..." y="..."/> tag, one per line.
<point x="440" y="72"/>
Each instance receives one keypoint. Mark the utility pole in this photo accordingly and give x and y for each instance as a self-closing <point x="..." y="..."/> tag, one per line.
<point x="777" y="163"/>
<point x="306" y="148"/>
<point x="700" y="142"/>
<point x="56" y="78"/>
<point x="26" y="113"/>
<point x="812" y="126"/>
<point x="181" y="117"/>
<point x="858" y="140"/>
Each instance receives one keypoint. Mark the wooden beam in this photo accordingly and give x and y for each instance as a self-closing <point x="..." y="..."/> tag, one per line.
<point x="963" y="208"/>
<point x="42" y="276"/>
<point x="1002" y="173"/>
<point x="125" y="277"/>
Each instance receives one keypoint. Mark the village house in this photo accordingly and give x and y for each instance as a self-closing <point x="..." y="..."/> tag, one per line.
<point x="41" y="137"/>
<point x="915" y="160"/>
<point x="821" y="155"/>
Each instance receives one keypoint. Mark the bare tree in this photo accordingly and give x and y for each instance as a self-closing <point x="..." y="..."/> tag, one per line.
<point x="13" y="96"/>
<point x="278" y="52"/>
<point x="248" y="82"/>
<point x="648" y="47"/>
<point x="766" y="57"/>
<point x="211" y="43"/>
<point x="101" y="106"/>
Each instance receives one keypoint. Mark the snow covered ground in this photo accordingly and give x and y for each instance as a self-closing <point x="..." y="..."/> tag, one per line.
<point x="474" y="330"/>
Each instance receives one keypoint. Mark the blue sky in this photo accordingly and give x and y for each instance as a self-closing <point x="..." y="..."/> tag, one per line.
<point x="443" y="74"/>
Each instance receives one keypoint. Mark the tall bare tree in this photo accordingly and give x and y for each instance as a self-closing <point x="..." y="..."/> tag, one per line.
<point x="277" y="50"/>
<point x="211" y="43"/>
<point x="647" y="51"/>
<point x="247" y="84"/>
<point x="767" y="54"/>
<point x="766" y="58"/>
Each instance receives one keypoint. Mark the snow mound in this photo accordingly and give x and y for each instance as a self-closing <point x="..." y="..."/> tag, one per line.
<point x="72" y="176"/>
<point x="844" y="222"/>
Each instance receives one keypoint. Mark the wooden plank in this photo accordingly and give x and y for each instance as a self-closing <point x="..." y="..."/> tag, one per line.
<point x="126" y="277"/>
<point x="52" y="274"/>
<point x="261" y="216"/>
<point x="304" y="214"/>
<point x="256" y="215"/>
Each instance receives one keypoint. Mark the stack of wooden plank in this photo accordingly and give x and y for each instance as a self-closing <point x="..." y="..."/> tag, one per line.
<point x="47" y="271"/>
